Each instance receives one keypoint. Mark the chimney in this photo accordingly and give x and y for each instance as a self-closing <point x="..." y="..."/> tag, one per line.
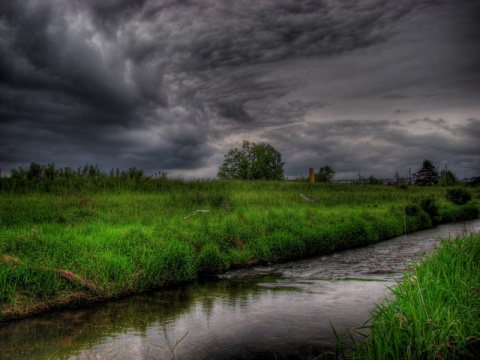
<point x="311" y="176"/>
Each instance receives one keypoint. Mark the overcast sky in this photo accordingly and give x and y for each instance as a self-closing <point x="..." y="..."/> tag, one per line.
<point x="364" y="86"/>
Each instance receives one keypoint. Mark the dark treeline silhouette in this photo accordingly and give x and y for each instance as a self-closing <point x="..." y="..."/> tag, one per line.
<point x="89" y="177"/>
<point x="37" y="172"/>
<point x="49" y="178"/>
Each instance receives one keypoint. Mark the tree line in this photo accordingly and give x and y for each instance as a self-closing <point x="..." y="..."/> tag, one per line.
<point x="49" y="178"/>
<point x="37" y="172"/>
<point x="251" y="162"/>
<point x="263" y="162"/>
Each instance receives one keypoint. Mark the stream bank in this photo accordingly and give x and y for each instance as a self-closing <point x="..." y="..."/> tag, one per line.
<point x="60" y="251"/>
<point x="271" y="311"/>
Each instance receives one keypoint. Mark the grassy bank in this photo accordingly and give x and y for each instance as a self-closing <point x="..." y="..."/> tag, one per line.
<point x="435" y="311"/>
<point x="74" y="243"/>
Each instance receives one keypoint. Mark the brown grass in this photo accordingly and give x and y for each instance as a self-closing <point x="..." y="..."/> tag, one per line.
<point x="9" y="260"/>
<point x="75" y="279"/>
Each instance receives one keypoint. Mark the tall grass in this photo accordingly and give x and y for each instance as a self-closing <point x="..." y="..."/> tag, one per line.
<point x="434" y="312"/>
<point x="59" y="247"/>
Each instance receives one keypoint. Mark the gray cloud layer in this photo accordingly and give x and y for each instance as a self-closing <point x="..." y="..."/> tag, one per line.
<point x="364" y="86"/>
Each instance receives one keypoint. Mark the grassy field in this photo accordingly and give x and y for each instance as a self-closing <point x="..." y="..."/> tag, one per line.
<point x="435" y="310"/>
<point x="71" y="243"/>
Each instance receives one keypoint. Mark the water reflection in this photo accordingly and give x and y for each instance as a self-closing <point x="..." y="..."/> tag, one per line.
<point x="265" y="312"/>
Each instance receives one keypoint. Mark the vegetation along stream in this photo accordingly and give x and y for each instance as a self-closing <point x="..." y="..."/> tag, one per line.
<point x="278" y="311"/>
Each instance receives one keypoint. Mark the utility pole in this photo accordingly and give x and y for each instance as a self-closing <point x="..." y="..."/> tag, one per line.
<point x="410" y="174"/>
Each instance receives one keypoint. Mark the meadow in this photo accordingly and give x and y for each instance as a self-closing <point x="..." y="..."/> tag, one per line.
<point x="69" y="242"/>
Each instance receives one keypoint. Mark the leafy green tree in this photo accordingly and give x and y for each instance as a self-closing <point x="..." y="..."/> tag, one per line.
<point x="474" y="181"/>
<point x="372" y="180"/>
<point x="252" y="162"/>
<point x="34" y="172"/>
<point x="427" y="175"/>
<point x="325" y="174"/>
<point x="49" y="172"/>
<point x="447" y="178"/>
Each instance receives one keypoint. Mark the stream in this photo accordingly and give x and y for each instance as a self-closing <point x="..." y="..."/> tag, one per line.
<point x="269" y="312"/>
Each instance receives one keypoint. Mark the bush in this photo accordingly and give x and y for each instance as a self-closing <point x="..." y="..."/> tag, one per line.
<point x="412" y="209"/>
<point x="417" y="218"/>
<point x="430" y="206"/>
<point x="459" y="195"/>
<point x="452" y="213"/>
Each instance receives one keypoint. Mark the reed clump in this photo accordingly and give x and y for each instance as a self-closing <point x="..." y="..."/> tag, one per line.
<point x="434" y="312"/>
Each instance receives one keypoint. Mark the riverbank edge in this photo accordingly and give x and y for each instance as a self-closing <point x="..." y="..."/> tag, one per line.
<point x="433" y="313"/>
<point x="357" y="234"/>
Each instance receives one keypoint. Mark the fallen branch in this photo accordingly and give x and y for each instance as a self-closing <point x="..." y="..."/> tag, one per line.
<point x="195" y="213"/>
<point x="307" y="199"/>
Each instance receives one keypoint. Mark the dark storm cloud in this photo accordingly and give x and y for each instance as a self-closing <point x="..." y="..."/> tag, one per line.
<point x="440" y="123"/>
<point x="395" y="96"/>
<point x="379" y="147"/>
<point x="472" y="131"/>
<point x="171" y="85"/>
<point x="226" y="34"/>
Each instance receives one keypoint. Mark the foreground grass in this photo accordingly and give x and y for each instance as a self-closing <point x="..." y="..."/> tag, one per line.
<point x="435" y="311"/>
<point x="59" y="248"/>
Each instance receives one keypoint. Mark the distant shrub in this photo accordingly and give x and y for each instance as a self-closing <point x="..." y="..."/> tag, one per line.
<point x="412" y="209"/>
<point x="421" y="215"/>
<point x="474" y="181"/>
<point x="421" y="220"/>
<point x="430" y="206"/>
<point x="452" y="213"/>
<point x="459" y="195"/>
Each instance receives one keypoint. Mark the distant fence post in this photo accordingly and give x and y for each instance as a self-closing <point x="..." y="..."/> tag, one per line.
<point x="311" y="175"/>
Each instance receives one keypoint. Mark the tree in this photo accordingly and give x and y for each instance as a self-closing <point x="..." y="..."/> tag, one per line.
<point x="447" y="178"/>
<point x="34" y="172"/>
<point x="372" y="180"/>
<point x="427" y="175"/>
<point x="474" y="181"/>
<point x="325" y="174"/>
<point x="252" y="162"/>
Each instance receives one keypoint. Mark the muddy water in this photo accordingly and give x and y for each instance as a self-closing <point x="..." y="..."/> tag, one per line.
<point x="281" y="311"/>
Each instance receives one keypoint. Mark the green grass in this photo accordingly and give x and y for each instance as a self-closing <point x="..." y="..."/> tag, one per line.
<point x="62" y="247"/>
<point x="434" y="312"/>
